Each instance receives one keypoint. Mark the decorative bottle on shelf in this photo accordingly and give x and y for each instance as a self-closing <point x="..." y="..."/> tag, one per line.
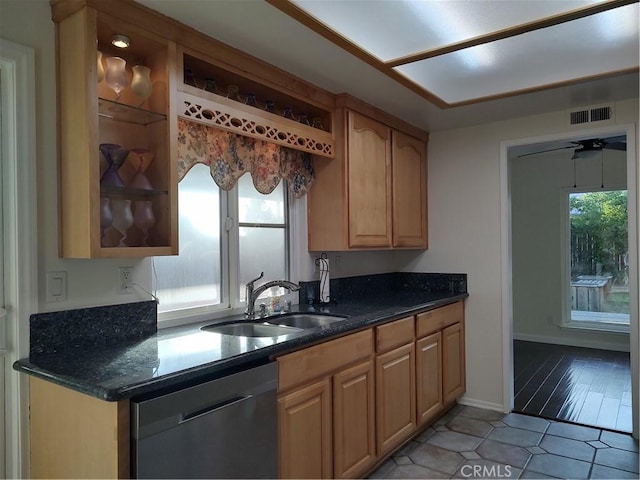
<point x="233" y="93"/>
<point x="304" y="119"/>
<point x="105" y="217"/>
<point x="100" y="71"/>
<point x="144" y="219"/>
<point x="116" y="75"/>
<point x="251" y="100"/>
<point x="270" y="106"/>
<point x="122" y="217"/>
<point x="210" y="85"/>
<point x="189" y="78"/>
<point x="141" y="83"/>
<point x="316" y="122"/>
<point x="287" y="112"/>
<point x="115" y="155"/>
<point x="144" y="158"/>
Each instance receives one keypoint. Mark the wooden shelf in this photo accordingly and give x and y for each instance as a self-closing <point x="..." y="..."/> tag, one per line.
<point x="215" y="109"/>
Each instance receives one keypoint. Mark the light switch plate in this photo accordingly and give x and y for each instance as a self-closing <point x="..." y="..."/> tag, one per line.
<point x="56" y="287"/>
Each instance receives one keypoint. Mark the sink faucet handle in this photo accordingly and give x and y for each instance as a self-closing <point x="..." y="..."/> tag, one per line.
<point x="255" y="279"/>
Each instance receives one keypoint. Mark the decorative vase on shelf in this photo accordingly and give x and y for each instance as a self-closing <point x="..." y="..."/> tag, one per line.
<point x="141" y="82"/>
<point x="105" y="217"/>
<point x="115" y="155"/>
<point x="287" y="112"/>
<point x="144" y="158"/>
<point x="122" y="217"/>
<point x="210" y="85"/>
<point x="116" y="75"/>
<point x="144" y="219"/>
<point x="100" y="71"/>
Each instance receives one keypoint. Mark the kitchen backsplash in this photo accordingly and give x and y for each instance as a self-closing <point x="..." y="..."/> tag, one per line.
<point x="343" y="288"/>
<point x="54" y="332"/>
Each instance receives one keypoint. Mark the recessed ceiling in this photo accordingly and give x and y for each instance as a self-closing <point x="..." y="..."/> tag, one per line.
<point x="299" y="46"/>
<point x="457" y="52"/>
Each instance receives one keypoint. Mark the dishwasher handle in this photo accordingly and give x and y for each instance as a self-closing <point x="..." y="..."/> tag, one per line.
<point x="214" y="408"/>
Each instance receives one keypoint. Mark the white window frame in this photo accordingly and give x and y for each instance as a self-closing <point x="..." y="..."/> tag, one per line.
<point x="230" y="303"/>
<point x="567" y="322"/>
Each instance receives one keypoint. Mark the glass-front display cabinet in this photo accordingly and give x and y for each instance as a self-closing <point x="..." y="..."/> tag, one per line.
<point x="118" y="133"/>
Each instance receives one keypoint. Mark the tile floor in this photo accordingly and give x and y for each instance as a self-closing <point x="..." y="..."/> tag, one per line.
<point x="473" y="443"/>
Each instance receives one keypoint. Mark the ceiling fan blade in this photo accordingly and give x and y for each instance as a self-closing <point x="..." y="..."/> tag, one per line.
<point x="616" y="146"/>
<point x="616" y="139"/>
<point x="544" y="151"/>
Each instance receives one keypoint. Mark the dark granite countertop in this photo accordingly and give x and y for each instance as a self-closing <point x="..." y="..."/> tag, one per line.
<point x="176" y="357"/>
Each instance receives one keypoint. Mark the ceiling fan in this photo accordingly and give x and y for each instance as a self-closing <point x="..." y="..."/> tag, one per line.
<point x="589" y="145"/>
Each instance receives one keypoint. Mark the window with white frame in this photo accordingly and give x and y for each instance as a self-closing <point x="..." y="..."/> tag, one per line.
<point x="598" y="260"/>
<point x="225" y="239"/>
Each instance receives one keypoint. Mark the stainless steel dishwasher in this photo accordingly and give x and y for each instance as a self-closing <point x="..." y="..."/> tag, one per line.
<point x="224" y="428"/>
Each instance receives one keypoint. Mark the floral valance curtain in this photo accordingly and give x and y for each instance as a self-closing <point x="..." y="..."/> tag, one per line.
<point x="230" y="155"/>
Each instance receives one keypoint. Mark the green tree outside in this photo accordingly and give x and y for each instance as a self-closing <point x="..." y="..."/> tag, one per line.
<point x="599" y="241"/>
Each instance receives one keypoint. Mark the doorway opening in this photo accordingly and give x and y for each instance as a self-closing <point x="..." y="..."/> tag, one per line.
<point x="572" y="305"/>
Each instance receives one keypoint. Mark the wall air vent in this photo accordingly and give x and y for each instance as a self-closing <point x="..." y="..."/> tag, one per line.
<point x="590" y="114"/>
<point x="580" y="116"/>
<point x="600" y="114"/>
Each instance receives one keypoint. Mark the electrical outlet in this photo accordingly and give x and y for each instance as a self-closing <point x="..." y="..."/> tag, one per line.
<point x="125" y="279"/>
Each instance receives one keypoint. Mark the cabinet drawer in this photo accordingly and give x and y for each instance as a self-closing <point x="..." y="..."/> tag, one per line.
<point x="394" y="334"/>
<point x="439" y="318"/>
<point x="321" y="360"/>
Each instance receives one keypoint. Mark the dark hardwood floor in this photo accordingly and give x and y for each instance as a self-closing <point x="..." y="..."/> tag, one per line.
<point x="580" y="385"/>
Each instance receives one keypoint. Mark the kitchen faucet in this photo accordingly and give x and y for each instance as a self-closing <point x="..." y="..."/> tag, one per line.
<point x="252" y="294"/>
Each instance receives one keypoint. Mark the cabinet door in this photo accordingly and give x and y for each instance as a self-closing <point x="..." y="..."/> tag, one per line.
<point x="409" y="164"/>
<point x="353" y="421"/>
<point x="395" y="397"/>
<point x="428" y="377"/>
<point x="369" y="180"/>
<point x="304" y="432"/>
<point x="453" y="362"/>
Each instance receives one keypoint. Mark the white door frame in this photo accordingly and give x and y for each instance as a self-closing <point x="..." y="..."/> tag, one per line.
<point x="17" y="86"/>
<point x="506" y="260"/>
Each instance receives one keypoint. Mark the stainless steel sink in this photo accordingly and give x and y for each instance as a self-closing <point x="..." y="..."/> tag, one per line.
<point x="249" y="329"/>
<point x="305" y="320"/>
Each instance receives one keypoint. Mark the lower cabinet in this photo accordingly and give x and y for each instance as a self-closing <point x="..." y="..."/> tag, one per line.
<point x="440" y="359"/>
<point x="395" y="395"/>
<point x="326" y="428"/>
<point x="73" y="435"/>
<point x="304" y="436"/>
<point x="453" y="362"/>
<point x="395" y="383"/>
<point x="345" y="404"/>
<point x="353" y="421"/>
<point x="429" y="377"/>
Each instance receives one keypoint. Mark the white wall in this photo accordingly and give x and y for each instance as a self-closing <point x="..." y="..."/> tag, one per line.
<point x="538" y="188"/>
<point x="465" y="231"/>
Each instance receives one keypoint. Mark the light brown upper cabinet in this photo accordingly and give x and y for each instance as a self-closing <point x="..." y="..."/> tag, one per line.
<point x="117" y="133"/>
<point x="409" y="188"/>
<point x="373" y="195"/>
<point x="369" y="175"/>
